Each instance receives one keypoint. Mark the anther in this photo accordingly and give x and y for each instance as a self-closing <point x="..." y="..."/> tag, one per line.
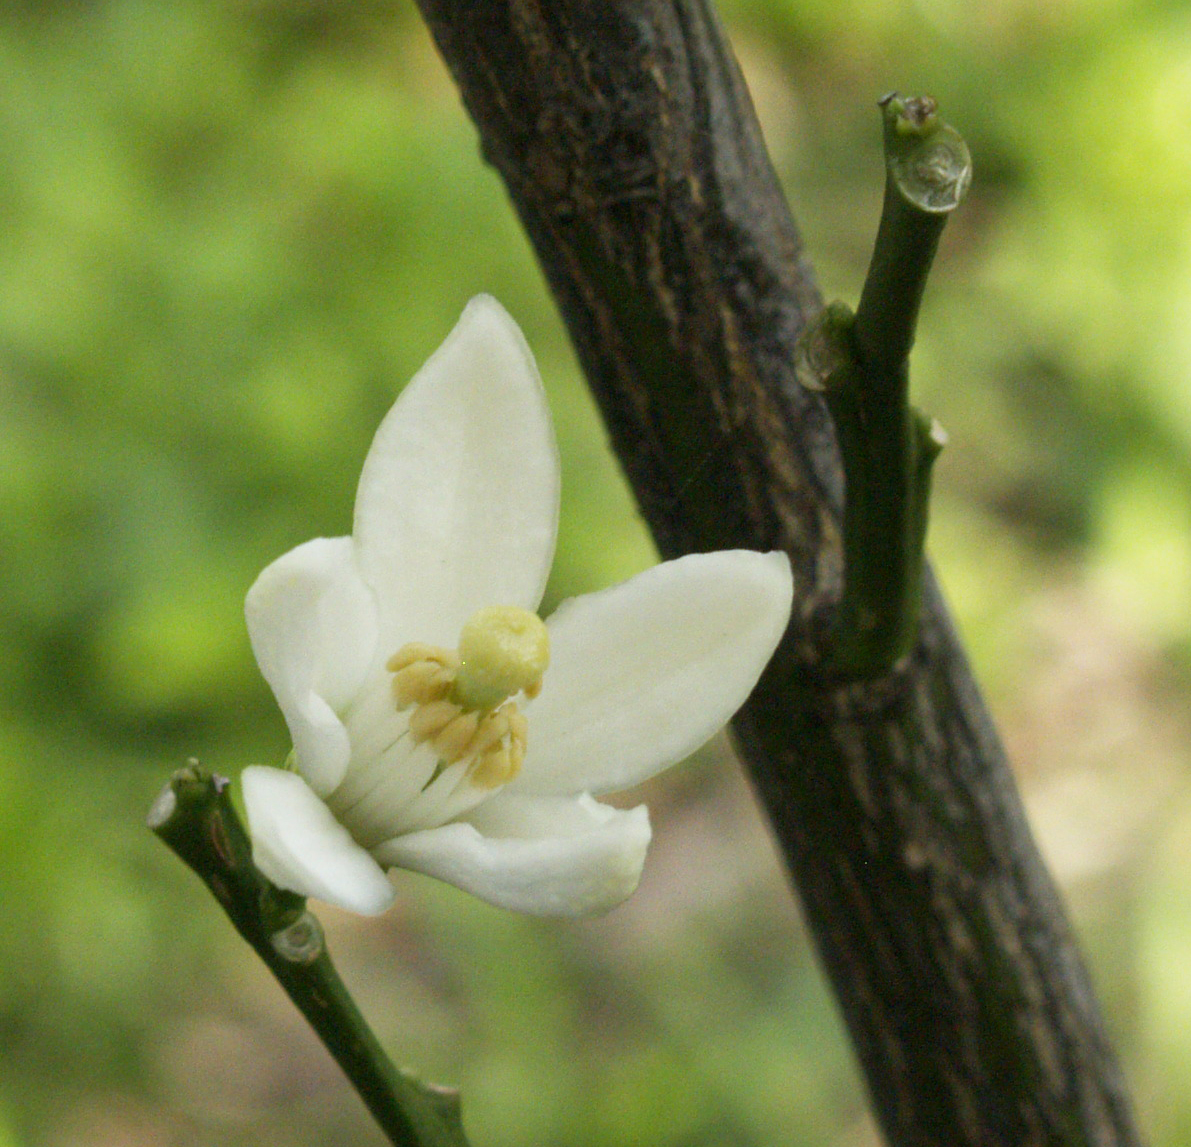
<point x="492" y="770"/>
<point x="416" y="651"/>
<point x="503" y="752"/>
<point x="492" y="728"/>
<point x="429" y="719"/>
<point x="420" y="682"/>
<point x="454" y="740"/>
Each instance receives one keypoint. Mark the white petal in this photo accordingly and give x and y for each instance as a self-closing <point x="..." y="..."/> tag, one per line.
<point x="312" y="623"/>
<point x="545" y="856"/>
<point x="299" y="845"/>
<point x="458" y="500"/>
<point x="643" y="673"/>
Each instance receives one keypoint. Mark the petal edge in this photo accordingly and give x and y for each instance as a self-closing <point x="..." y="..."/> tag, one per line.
<point x="312" y="624"/>
<point x="544" y="857"/>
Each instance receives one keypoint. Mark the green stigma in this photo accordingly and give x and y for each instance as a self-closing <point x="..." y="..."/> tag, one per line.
<point x="503" y="650"/>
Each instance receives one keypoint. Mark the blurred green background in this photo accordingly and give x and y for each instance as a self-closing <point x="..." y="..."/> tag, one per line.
<point x="229" y="231"/>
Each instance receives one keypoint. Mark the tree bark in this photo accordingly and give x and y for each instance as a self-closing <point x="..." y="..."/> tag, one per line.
<point x="626" y="138"/>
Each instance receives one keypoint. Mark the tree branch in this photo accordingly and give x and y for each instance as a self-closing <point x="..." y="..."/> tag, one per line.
<point x="627" y="141"/>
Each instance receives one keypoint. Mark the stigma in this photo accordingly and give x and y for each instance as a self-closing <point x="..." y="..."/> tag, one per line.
<point x="462" y="700"/>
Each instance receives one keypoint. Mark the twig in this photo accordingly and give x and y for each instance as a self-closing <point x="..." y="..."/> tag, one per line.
<point x="861" y="364"/>
<point x="194" y="816"/>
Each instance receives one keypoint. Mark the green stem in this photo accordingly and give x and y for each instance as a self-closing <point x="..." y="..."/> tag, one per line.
<point x="861" y="363"/>
<point x="195" y="817"/>
<point x="927" y="173"/>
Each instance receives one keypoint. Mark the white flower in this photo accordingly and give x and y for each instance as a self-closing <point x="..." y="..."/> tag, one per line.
<point x="403" y="757"/>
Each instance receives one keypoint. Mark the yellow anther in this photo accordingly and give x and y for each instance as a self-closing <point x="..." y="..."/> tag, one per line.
<point x="454" y="740"/>
<point x="420" y="682"/>
<point x="492" y="770"/>
<point x="492" y="728"/>
<point x="499" y="748"/>
<point x="421" y="673"/>
<point x="418" y="651"/>
<point x="503" y="650"/>
<point x="430" y="719"/>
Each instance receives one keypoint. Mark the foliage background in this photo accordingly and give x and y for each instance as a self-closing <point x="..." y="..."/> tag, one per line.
<point x="229" y="230"/>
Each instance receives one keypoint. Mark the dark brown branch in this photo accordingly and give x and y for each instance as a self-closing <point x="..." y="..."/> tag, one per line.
<point x="629" y="147"/>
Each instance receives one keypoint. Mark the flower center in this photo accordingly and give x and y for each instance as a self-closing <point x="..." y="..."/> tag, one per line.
<point x="462" y="701"/>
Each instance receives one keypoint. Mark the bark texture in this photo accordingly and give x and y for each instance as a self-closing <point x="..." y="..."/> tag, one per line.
<point x="629" y="147"/>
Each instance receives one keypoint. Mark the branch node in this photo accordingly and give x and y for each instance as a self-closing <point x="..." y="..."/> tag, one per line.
<point x="302" y="942"/>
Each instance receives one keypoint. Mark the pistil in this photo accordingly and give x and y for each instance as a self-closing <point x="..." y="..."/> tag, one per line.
<point x="462" y="702"/>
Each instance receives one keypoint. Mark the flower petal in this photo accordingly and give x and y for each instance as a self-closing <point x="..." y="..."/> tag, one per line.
<point x="299" y="845"/>
<point x="545" y="856"/>
<point x="643" y="673"/>
<point x="458" y="500"/>
<point x="312" y="623"/>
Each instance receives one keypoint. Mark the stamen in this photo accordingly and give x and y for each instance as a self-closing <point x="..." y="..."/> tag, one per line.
<point x="429" y="719"/>
<point x="503" y="751"/>
<point x="421" y="673"/>
<point x="494" y="726"/>
<point x="421" y="682"/>
<point x="493" y="769"/>
<point x="454" y="741"/>
<point x="417" y="651"/>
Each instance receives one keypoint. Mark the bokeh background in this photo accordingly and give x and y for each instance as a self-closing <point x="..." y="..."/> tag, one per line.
<point x="229" y="231"/>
